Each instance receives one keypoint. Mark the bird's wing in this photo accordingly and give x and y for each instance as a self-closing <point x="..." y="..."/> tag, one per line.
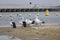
<point x="20" y="22"/>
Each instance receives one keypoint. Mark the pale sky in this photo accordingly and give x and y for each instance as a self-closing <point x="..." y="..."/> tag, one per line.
<point x="41" y="2"/>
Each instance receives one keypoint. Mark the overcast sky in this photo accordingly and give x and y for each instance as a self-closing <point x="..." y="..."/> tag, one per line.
<point x="41" y="2"/>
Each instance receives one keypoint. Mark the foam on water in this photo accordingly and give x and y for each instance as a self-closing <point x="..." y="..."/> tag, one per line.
<point x="6" y="37"/>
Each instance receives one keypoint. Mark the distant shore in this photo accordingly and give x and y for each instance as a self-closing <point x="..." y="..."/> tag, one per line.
<point x="28" y="9"/>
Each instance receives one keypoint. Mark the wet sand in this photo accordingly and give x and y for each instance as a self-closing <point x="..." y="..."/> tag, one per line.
<point x="44" y="32"/>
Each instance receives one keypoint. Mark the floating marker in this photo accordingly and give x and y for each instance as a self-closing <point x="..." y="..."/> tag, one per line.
<point x="38" y="14"/>
<point x="56" y="14"/>
<point x="0" y="15"/>
<point x="47" y="12"/>
<point x="29" y="14"/>
<point x="10" y="15"/>
<point x="19" y="14"/>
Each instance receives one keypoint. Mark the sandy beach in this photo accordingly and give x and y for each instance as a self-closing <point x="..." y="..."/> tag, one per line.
<point x="45" y="32"/>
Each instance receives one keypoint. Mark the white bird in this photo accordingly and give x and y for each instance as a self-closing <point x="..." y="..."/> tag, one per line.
<point x="37" y="21"/>
<point x="21" y="21"/>
<point x="28" y="21"/>
<point x="11" y="20"/>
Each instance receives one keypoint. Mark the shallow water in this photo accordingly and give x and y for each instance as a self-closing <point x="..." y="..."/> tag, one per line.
<point x="52" y="19"/>
<point x="6" y="37"/>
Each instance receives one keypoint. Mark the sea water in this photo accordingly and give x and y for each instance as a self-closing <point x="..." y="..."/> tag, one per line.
<point x="51" y="19"/>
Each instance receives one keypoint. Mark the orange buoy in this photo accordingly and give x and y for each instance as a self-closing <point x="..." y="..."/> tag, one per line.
<point x="47" y="13"/>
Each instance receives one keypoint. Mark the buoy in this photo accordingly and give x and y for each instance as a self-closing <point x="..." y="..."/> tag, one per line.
<point x="47" y="12"/>
<point x="38" y="14"/>
<point x="10" y="15"/>
<point x="0" y="15"/>
<point x="19" y="14"/>
<point x="56" y="14"/>
<point x="29" y="14"/>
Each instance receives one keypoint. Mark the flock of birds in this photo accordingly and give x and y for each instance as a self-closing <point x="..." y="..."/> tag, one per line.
<point x="28" y="22"/>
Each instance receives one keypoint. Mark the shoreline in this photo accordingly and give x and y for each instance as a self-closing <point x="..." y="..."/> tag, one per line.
<point x="47" y="32"/>
<point x="30" y="26"/>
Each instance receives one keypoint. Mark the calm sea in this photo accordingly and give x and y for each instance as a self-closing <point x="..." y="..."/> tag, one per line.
<point x="51" y="19"/>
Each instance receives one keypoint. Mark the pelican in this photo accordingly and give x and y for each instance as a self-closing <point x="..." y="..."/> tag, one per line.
<point x="11" y="20"/>
<point x="12" y="23"/>
<point x="28" y="21"/>
<point x="37" y="21"/>
<point x="21" y="21"/>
